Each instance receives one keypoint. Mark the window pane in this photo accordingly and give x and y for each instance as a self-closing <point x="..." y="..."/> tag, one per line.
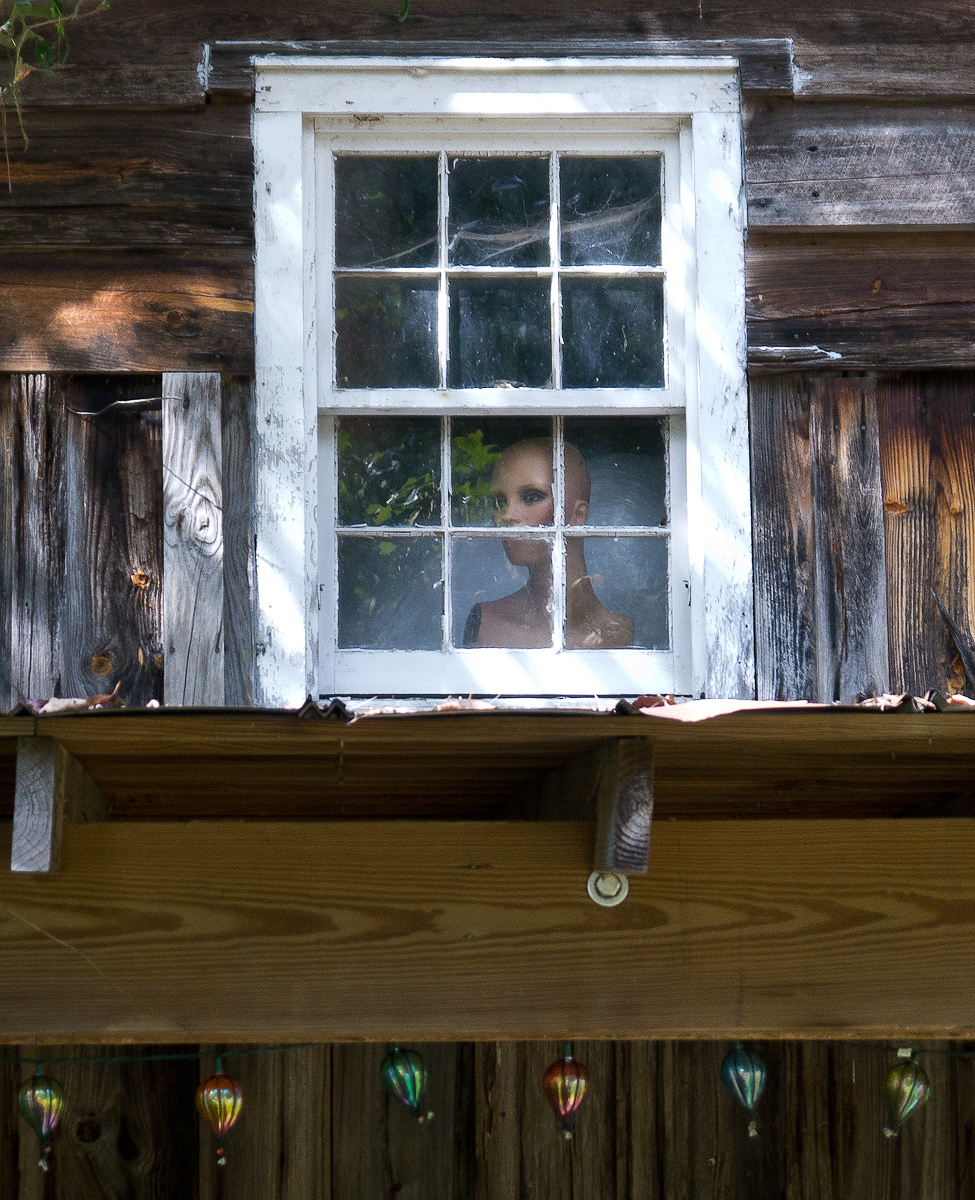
<point x="386" y="212"/>
<point x="386" y="333"/>
<point x="613" y="333"/>
<point x="499" y="334"/>
<point x="502" y="593"/>
<point x="610" y="211"/>
<point x="482" y="448"/>
<point x="389" y="471"/>
<point x="499" y="212"/>
<point x="390" y="593"/>
<point x="616" y="593"/>
<point x="626" y="461"/>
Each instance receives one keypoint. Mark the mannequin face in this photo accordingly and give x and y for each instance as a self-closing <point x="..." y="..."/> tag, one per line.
<point x="523" y="490"/>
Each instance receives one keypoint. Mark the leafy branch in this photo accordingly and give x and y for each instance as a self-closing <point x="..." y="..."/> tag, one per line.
<point x="32" y="35"/>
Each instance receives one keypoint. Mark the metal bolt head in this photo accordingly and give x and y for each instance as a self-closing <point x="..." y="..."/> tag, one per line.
<point x="607" y="888"/>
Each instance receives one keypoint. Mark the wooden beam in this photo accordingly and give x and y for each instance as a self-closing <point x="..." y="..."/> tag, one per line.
<point x="51" y="787"/>
<point x="474" y="931"/>
<point x="193" y="540"/>
<point x="765" y="63"/>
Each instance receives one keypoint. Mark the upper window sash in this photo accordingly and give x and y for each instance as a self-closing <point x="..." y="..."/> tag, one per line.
<point x="602" y="137"/>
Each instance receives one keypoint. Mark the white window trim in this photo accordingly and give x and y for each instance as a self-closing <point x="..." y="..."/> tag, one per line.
<point x="697" y="97"/>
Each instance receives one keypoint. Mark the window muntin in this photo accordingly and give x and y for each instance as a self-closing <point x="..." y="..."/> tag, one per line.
<point x="468" y="270"/>
<point x="530" y="533"/>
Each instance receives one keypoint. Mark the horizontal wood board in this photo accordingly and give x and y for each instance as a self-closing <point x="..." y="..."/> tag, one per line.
<point x="739" y="929"/>
<point x="782" y="764"/>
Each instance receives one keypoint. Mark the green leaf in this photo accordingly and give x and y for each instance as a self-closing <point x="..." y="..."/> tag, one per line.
<point x="404" y="11"/>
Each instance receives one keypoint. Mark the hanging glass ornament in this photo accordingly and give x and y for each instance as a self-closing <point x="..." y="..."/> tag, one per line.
<point x="219" y="1101"/>
<point x="907" y="1087"/>
<point x="565" y="1085"/>
<point x="743" y="1074"/>
<point x="40" y="1100"/>
<point x="404" y="1075"/>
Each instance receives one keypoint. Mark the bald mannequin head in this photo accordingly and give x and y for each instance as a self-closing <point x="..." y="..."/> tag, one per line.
<point x="523" y="485"/>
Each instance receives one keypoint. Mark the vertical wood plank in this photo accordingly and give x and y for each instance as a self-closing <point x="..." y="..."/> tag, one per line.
<point x="378" y="1147"/>
<point x="498" y="1120"/>
<point x="7" y="544"/>
<point x="127" y="1129"/>
<point x="785" y="635"/>
<point x="306" y="1113"/>
<point x="927" y="439"/>
<point x="850" y="579"/>
<point x="193" y="540"/>
<point x="114" y="533"/>
<point x="37" y="573"/>
<point x="238" y="537"/>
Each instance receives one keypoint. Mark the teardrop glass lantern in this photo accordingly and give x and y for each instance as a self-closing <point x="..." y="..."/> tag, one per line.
<point x="906" y="1089"/>
<point x="218" y="1101"/>
<point x="743" y="1073"/>
<point x="40" y="1101"/>
<point x="565" y="1084"/>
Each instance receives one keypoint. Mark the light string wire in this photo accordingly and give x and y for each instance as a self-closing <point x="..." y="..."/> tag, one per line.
<point x="185" y="1056"/>
<point x="251" y="1051"/>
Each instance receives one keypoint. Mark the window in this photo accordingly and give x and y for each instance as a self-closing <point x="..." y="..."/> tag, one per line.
<point x="501" y="429"/>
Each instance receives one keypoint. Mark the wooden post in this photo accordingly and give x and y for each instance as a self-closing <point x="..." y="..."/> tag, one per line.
<point x="193" y="546"/>
<point x="624" y="806"/>
<point x="51" y="786"/>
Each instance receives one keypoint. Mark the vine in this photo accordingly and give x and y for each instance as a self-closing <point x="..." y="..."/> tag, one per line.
<point x="33" y="38"/>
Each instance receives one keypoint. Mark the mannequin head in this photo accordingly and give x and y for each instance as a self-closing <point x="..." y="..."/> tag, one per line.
<point x="523" y="490"/>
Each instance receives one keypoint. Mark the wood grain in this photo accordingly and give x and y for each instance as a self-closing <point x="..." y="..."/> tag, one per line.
<point x="848" y="532"/>
<point x="114" y="533"/>
<point x="624" y="806"/>
<point x="765" y="63"/>
<point x="34" y="408"/>
<point x="52" y="787"/>
<point x="779" y="929"/>
<point x="193" y="604"/>
<point x="820" y="591"/>
<point x="96" y="163"/>
<point x="835" y="164"/>
<point x="237" y="413"/>
<point x="102" y="311"/>
<point x="783" y="538"/>
<point x="927" y="427"/>
<point x="867" y="298"/>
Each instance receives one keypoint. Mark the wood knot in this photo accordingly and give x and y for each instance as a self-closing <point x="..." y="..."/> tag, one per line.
<point x="877" y="285"/>
<point x="101" y="664"/>
<point x="897" y="507"/>
<point x="88" y="1130"/>
<point x="175" y="319"/>
<point x="140" y="579"/>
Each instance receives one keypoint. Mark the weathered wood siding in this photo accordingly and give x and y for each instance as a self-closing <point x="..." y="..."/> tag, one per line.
<point x="86" y="563"/>
<point x="133" y="201"/>
<point x="864" y="495"/>
<point x="656" y="1125"/>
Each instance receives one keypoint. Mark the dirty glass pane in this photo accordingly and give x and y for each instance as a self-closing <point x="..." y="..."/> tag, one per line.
<point x="502" y="593"/>
<point x="386" y="333"/>
<point x="613" y="333"/>
<point x="498" y="212"/>
<point x="499" y="333"/>
<point x="610" y="211"/>
<point x="626" y="464"/>
<point x="484" y="447"/>
<point x="389" y="471"/>
<point x="390" y="593"/>
<point x="386" y="212"/>
<point x="616" y="593"/>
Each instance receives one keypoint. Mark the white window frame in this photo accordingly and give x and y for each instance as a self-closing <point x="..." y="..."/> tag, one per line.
<point x="306" y="105"/>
